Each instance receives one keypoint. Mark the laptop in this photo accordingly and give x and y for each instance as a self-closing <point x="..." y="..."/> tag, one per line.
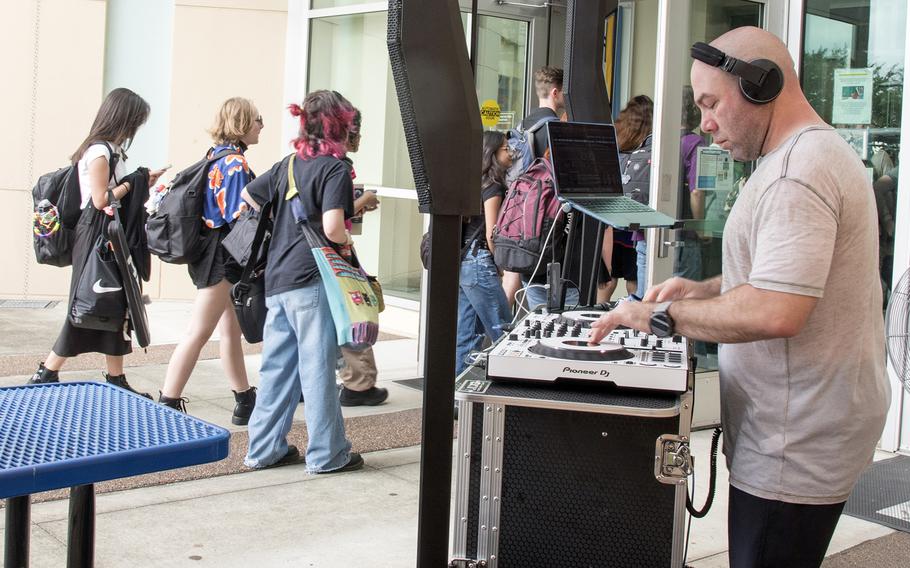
<point x="586" y="173"/>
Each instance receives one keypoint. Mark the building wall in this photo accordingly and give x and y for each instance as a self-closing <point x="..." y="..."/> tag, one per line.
<point x="221" y="48"/>
<point x="243" y="55"/>
<point x="644" y="48"/>
<point x="50" y="95"/>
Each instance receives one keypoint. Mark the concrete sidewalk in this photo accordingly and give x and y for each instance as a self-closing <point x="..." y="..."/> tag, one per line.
<point x="283" y="517"/>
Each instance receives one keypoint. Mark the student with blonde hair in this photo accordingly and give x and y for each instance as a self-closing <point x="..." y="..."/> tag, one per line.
<point x="237" y="126"/>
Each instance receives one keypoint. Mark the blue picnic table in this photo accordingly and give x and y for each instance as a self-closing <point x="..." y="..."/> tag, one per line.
<point x="77" y="434"/>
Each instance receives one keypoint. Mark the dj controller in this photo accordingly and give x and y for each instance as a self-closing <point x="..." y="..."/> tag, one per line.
<point x="554" y="347"/>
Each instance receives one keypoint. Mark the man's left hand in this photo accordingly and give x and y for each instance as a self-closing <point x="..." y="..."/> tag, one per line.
<point x="635" y="315"/>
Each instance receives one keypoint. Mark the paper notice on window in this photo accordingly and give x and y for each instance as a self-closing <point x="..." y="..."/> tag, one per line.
<point x="852" y="96"/>
<point x="714" y="169"/>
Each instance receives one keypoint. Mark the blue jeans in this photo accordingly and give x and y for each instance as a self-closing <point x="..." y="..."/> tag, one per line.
<point x="298" y="355"/>
<point x="482" y="305"/>
<point x="641" y="250"/>
<point x="537" y="295"/>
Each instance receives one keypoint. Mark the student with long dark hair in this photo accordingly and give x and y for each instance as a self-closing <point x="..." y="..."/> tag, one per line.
<point x="299" y="343"/>
<point x="121" y="114"/>
<point x="482" y="304"/>
<point x="237" y="127"/>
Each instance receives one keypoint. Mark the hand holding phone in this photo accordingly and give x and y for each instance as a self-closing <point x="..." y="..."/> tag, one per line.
<point x="154" y="175"/>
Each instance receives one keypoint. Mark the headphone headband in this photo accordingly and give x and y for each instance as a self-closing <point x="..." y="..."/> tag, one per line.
<point x="760" y="81"/>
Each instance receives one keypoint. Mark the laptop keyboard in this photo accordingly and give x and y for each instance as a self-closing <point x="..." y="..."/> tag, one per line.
<point x="615" y="206"/>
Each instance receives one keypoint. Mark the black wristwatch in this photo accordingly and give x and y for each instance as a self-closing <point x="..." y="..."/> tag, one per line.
<point x="662" y="325"/>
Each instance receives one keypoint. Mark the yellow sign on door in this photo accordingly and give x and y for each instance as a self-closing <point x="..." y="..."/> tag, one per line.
<point x="489" y="113"/>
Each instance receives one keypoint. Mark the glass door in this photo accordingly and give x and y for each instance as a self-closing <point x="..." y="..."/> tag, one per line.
<point x="680" y="182"/>
<point x="852" y="71"/>
<point x="701" y="199"/>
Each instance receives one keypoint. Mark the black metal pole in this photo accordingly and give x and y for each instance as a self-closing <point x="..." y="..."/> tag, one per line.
<point x="80" y="548"/>
<point x="596" y="264"/>
<point x="438" y="392"/>
<point x="474" y="40"/>
<point x="18" y="525"/>
<point x="567" y="257"/>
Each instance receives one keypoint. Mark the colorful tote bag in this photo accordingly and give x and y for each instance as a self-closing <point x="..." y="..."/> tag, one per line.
<point x="352" y="299"/>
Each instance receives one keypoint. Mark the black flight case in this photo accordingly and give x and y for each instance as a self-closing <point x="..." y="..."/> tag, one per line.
<point x="557" y="476"/>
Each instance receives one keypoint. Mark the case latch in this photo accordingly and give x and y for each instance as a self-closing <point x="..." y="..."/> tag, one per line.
<point x="467" y="563"/>
<point x="672" y="459"/>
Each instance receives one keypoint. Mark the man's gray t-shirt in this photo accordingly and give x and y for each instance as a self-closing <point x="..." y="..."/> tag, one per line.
<point x="802" y="415"/>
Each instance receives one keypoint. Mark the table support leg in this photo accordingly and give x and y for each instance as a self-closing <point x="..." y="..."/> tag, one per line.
<point x="18" y="528"/>
<point x="80" y="549"/>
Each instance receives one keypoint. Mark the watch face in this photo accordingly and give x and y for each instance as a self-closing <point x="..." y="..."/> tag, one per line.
<point x="661" y="324"/>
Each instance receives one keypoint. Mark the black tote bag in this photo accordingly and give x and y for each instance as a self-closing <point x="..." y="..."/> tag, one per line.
<point x="248" y="295"/>
<point x="99" y="301"/>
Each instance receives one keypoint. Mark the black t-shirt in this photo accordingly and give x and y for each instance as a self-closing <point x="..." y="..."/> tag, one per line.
<point x="540" y="136"/>
<point x="479" y="221"/>
<point x="323" y="184"/>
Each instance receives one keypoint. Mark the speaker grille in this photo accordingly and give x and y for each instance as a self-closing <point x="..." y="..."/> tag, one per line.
<point x="408" y="116"/>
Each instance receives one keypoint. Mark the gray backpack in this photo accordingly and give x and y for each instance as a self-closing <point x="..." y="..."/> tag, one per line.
<point x="636" y="172"/>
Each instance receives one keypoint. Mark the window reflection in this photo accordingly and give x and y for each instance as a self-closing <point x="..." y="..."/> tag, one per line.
<point x="853" y="75"/>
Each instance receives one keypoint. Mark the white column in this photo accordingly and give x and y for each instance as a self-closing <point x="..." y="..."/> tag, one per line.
<point x="897" y="428"/>
<point x="137" y="55"/>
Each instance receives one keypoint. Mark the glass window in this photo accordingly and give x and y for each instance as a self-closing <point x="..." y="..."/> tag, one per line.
<point x="853" y="75"/>
<point x="317" y="4"/>
<point x="704" y="204"/>
<point x="349" y="54"/>
<point x="502" y="61"/>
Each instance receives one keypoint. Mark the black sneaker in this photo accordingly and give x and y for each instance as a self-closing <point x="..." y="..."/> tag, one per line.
<point x="292" y="457"/>
<point x="354" y="463"/>
<point x="120" y="381"/>
<point x="246" y="401"/>
<point x="370" y="397"/>
<point x="178" y="404"/>
<point x="43" y="375"/>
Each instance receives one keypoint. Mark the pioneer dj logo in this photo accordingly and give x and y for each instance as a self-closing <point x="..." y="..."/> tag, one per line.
<point x="586" y="372"/>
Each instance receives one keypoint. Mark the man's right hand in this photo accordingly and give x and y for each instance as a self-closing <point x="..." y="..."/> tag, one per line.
<point x="675" y="288"/>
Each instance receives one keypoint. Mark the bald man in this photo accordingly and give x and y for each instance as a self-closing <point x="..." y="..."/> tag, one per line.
<point x="797" y="310"/>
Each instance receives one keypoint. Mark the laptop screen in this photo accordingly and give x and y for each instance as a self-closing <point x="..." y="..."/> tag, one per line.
<point x="585" y="158"/>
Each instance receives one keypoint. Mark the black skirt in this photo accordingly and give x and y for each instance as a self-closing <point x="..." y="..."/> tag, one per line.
<point x="74" y="340"/>
<point x="215" y="264"/>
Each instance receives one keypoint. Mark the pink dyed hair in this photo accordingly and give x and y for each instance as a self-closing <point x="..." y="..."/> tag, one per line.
<point x="326" y="117"/>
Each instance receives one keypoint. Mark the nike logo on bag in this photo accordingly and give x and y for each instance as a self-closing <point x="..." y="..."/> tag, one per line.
<point x="99" y="289"/>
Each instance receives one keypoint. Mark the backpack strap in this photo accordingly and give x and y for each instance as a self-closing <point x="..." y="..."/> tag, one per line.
<point x="539" y="124"/>
<point x="264" y="212"/>
<point x="112" y="160"/>
<point x="221" y="154"/>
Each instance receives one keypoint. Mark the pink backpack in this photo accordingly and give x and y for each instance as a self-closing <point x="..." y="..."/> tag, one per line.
<point x="529" y="210"/>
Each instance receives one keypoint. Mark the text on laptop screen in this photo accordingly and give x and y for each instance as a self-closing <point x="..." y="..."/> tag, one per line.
<point x="585" y="158"/>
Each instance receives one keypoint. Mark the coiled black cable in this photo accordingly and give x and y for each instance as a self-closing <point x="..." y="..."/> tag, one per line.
<point x="712" y="480"/>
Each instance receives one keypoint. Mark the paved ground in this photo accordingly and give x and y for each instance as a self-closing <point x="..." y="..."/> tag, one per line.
<point x="284" y="517"/>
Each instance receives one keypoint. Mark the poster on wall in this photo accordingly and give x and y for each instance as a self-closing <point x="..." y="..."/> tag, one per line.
<point x="852" y="96"/>
<point x="714" y="169"/>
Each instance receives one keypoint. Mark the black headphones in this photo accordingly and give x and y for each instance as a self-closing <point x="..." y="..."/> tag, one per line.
<point x="760" y="81"/>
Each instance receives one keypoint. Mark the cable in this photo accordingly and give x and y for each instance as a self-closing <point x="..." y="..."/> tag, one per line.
<point x="712" y="481"/>
<point x="689" y="522"/>
<point x="518" y="302"/>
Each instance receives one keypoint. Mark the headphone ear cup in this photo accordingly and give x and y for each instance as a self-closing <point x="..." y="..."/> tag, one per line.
<point x="767" y="92"/>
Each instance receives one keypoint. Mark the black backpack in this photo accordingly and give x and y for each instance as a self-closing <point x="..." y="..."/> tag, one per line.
<point x="636" y="172"/>
<point x="57" y="199"/>
<point x="176" y="233"/>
